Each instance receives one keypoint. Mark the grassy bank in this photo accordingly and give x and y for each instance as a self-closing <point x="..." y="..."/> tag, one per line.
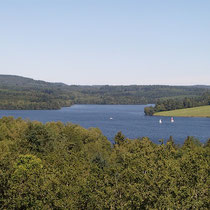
<point x="202" y="111"/>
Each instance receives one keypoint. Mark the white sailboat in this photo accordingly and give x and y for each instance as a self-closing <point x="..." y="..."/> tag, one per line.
<point x="172" y="119"/>
<point x="160" y="121"/>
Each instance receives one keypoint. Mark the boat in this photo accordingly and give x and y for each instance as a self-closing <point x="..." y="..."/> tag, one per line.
<point x="160" y="121"/>
<point x="172" y="119"/>
<point x="111" y="118"/>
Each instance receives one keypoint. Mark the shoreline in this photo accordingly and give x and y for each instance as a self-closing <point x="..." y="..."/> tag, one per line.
<point x="201" y="111"/>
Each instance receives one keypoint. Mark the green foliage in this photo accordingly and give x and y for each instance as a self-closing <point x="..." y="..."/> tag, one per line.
<point x="172" y="104"/>
<point x="119" y="138"/>
<point x="58" y="166"/>
<point x="25" y="184"/>
<point x="149" y="110"/>
<point x="178" y="103"/>
<point x="24" y="93"/>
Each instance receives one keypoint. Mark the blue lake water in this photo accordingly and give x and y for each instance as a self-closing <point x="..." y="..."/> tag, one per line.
<point x="129" y="119"/>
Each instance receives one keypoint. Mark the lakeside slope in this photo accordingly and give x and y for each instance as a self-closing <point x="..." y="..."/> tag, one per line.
<point x="21" y="93"/>
<point x="202" y="111"/>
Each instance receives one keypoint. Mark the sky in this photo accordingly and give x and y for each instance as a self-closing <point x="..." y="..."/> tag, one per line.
<point x="115" y="42"/>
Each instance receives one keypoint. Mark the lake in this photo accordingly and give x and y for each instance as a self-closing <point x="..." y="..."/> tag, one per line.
<point x="129" y="119"/>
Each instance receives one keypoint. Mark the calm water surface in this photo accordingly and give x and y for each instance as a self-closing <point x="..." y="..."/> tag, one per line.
<point x="129" y="119"/>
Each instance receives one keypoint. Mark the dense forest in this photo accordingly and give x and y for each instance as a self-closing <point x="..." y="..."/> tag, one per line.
<point x="24" y="93"/>
<point x="178" y="103"/>
<point x="64" y="166"/>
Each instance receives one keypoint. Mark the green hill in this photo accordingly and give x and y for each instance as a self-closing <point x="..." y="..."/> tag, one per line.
<point x="18" y="81"/>
<point x="24" y="93"/>
<point x="202" y="111"/>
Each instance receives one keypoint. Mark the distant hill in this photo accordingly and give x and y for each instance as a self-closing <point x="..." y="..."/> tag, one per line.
<point x="18" y="92"/>
<point x="18" y="81"/>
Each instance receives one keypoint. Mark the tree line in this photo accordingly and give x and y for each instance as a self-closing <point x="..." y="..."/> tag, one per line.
<point x="173" y="104"/>
<point x="64" y="166"/>
<point x="24" y="93"/>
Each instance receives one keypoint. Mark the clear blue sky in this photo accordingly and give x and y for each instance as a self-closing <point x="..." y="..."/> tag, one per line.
<point x="106" y="41"/>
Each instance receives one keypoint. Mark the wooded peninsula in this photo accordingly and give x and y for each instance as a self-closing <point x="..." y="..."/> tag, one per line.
<point x="198" y="106"/>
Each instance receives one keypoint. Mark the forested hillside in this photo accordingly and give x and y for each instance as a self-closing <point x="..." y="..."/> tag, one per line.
<point x="57" y="166"/>
<point x="24" y="93"/>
